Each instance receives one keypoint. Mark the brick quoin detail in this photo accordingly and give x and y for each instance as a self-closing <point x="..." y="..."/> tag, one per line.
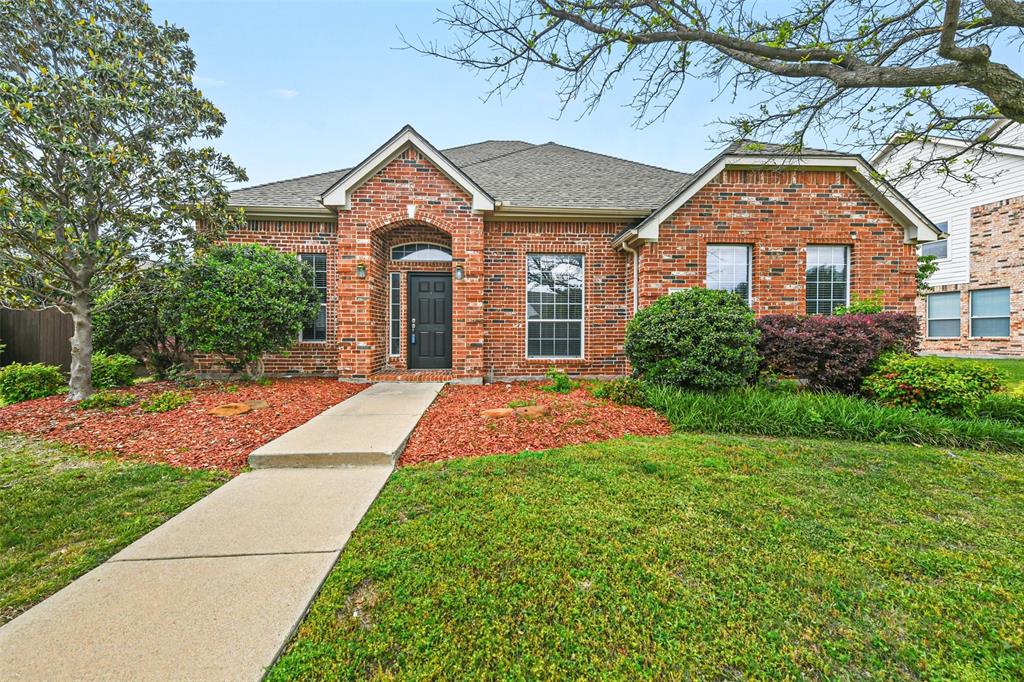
<point x="996" y="261"/>
<point x="779" y="214"/>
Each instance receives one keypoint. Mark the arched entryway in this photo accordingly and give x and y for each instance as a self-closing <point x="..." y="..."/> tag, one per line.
<point x="413" y="297"/>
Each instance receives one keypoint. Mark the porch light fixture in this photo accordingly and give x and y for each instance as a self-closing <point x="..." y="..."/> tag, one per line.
<point x="361" y="270"/>
<point x="459" y="272"/>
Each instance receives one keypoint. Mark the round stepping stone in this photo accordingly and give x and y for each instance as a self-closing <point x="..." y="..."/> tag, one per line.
<point x="230" y="410"/>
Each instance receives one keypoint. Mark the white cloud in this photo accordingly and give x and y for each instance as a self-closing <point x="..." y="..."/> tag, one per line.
<point x="284" y="92"/>
<point x="203" y="81"/>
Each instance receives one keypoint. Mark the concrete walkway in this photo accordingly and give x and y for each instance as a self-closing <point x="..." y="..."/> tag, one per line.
<point x="216" y="592"/>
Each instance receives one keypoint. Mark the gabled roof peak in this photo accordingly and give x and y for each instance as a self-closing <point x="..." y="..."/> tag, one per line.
<point x="340" y="193"/>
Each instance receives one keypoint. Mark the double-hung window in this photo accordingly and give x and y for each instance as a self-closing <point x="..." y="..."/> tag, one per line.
<point x="990" y="312"/>
<point x="729" y="269"/>
<point x="944" y="315"/>
<point x="828" y="278"/>
<point x="554" y="306"/>
<point x="317" y="262"/>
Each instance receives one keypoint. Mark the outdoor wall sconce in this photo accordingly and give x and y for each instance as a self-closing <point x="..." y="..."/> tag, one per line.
<point x="459" y="272"/>
<point x="361" y="271"/>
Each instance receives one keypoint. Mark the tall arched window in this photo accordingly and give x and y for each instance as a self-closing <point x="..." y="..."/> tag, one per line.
<point x="421" y="251"/>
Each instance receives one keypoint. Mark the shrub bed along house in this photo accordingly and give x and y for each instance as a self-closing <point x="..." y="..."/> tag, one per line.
<point x="832" y="353"/>
<point x="934" y="384"/>
<point x="698" y="338"/>
<point x="764" y="412"/>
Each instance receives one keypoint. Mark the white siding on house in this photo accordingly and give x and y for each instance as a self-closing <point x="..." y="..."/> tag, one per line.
<point x="1000" y="176"/>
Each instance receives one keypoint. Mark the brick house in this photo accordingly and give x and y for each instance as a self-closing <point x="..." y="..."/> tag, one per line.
<point x="974" y="307"/>
<point x="503" y="258"/>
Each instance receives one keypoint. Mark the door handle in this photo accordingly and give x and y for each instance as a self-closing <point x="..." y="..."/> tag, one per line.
<point x="412" y="331"/>
<point x="414" y="324"/>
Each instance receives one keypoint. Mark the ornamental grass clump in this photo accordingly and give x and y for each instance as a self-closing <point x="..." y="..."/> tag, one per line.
<point x="699" y="338"/>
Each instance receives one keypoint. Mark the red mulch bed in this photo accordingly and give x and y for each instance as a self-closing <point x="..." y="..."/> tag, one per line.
<point x="453" y="427"/>
<point x="186" y="436"/>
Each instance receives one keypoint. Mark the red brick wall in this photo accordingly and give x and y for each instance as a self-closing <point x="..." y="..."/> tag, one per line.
<point x="779" y="214"/>
<point x="295" y="237"/>
<point x="606" y="294"/>
<point x="997" y="261"/>
<point x="379" y="206"/>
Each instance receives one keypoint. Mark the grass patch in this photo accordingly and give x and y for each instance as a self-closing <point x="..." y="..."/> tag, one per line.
<point x="63" y="512"/>
<point x="763" y="412"/>
<point x="682" y="557"/>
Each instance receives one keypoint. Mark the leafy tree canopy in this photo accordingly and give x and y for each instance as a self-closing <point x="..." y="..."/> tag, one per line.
<point x="101" y="167"/>
<point x="859" y="73"/>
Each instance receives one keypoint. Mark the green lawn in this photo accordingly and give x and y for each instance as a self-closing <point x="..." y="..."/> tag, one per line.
<point x="63" y="512"/>
<point x="688" y="556"/>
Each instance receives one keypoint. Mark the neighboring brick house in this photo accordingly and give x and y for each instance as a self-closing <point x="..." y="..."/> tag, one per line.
<point x="976" y="304"/>
<point x="503" y="258"/>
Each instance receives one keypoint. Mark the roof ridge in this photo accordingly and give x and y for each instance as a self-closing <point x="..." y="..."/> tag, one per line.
<point x="473" y="144"/>
<point x="501" y="156"/>
<point x="617" y="158"/>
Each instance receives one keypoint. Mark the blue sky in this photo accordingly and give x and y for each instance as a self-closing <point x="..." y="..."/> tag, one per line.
<point x="315" y="86"/>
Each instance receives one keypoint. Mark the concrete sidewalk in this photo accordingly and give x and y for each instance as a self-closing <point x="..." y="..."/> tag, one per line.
<point x="371" y="427"/>
<point x="217" y="591"/>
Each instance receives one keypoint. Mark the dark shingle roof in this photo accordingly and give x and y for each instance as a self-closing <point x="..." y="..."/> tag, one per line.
<point x="516" y="173"/>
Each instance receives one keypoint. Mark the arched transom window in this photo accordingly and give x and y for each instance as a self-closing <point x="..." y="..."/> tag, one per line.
<point x="421" y="251"/>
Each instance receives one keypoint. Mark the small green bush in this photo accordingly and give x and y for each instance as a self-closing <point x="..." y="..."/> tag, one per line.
<point x="940" y="385"/>
<point x="112" y="370"/>
<point x="105" y="400"/>
<point x="698" y="338"/>
<point x="20" y="382"/>
<point x="560" y="381"/>
<point x="759" y="412"/>
<point x="862" y="305"/>
<point x="622" y="391"/>
<point x="1003" y="407"/>
<point x="166" y="401"/>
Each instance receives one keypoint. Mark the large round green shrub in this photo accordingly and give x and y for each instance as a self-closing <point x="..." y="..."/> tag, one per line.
<point x="112" y="370"/>
<point x="698" y="338"/>
<point x="241" y="301"/>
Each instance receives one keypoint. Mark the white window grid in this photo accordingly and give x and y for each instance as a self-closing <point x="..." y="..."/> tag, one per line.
<point x="567" y="307"/>
<point x="730" y="272"/>
<point x="827" y="256"/>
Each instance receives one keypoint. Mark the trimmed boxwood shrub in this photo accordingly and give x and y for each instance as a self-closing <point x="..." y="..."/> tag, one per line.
<point x="832" y="353"/>
<point x="112" y="370"/>
<point x="941" y="385"/>
<point x="698" y="338"/>
<point x="20" y="382"/>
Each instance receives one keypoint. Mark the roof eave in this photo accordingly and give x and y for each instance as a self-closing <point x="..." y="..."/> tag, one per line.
<point x="303" y="212"/>
<point x="508" y="211"/>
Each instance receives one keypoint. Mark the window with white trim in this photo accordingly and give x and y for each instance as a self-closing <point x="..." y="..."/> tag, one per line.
<point x="729" y="269"/>
<point x="421" y="252"/>
<point x="940" y="247"/>
<point x="395" y="314"/>
<point x="828" y="278"/>
<point x="990" y="312"/>
<point x="944" y="315"/>
<point x="317" y="262"/>
<point x="554" y="306"/>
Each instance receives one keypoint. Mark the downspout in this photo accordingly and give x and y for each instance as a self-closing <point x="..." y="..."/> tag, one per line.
<point x="636" y="274"/>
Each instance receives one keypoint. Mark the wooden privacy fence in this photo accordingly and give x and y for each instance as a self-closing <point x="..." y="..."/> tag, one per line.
<point x="36" y="336"/>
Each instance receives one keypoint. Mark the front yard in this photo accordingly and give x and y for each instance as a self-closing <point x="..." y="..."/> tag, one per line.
<point x="711" y="557"/>
<point x="63" y="512"/>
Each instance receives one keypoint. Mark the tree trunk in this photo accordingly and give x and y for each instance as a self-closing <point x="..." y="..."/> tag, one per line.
<point x="80" y="384"/>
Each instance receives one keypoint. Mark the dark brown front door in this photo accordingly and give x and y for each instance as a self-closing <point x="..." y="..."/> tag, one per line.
<point x="430" y="321"/>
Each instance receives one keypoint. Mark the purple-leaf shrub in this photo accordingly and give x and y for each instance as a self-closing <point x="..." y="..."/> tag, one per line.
<point x="833" y="353"/>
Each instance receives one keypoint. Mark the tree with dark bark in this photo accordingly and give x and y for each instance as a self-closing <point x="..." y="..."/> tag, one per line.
<point x="100" y="170"/>
<point x="857" y="72"/>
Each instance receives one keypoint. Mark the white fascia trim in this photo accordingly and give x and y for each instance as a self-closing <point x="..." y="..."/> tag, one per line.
<point x="993" y="147"/>
<point x="916" y="227"/>
<point x="340" y="195"/>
